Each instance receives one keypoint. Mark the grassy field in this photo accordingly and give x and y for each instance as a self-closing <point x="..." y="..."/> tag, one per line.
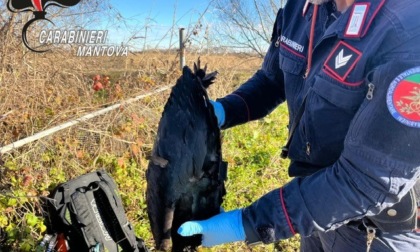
<point x="39" y="91"/>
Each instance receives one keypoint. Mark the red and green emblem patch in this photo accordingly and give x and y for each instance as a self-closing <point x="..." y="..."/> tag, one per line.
<point x="403" y="98"/>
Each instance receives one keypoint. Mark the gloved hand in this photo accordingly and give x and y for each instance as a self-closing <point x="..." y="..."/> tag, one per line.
<point x="222" y="228"/>
<point x="219" y="111"/>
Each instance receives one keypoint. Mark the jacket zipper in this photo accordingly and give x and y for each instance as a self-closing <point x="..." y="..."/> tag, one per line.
<point x="277" y="44"/>
<point x="308" y="144"/>
<point x="369" y="94"/>
<point x="369" y="97"/>
<point x="308" y="148"/>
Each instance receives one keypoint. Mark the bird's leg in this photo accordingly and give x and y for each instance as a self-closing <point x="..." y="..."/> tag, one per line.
<point x="167" y="225"/>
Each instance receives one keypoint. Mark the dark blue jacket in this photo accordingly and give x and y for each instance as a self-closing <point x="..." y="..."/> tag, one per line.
<point x="356" y="149"/>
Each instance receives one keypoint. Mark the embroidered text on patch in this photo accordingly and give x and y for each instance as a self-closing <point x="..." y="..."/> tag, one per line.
<point x="403" y="98"/>
<point x="292" y="44"/>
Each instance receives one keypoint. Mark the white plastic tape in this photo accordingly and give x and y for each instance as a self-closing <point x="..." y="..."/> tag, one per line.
<point x="71" y="123"/>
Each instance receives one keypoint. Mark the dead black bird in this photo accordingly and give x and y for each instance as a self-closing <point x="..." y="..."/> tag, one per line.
<point x="185" y="176"/>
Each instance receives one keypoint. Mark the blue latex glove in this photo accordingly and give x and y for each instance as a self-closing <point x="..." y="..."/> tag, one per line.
<point x="222" y="228"/>
<point x="219" y="111"/>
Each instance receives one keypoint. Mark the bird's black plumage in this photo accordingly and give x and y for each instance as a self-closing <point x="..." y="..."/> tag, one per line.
<point x="185" y="176"/>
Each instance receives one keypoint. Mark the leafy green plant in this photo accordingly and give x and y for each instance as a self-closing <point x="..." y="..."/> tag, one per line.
<point x="255" y="167"/>
<point x="119" y="142"/>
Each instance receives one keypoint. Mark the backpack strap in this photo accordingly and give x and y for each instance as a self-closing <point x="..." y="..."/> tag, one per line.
<point x="90" y="212"/>
<point x="122" y="229"/>
<point x="82" y="203"/>
<point x="63" y="193"/>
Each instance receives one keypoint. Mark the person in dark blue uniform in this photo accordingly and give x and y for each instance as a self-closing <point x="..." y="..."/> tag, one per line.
<point x="350" y="73"/>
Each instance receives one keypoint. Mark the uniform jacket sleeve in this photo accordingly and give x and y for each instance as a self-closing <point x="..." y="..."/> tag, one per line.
<point x="259" y="95"/>
<point x="379" y="164"/>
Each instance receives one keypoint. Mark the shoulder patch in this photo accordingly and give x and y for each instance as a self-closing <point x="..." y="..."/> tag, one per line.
<point x="403" y="98"/>
<point x="357" y="19"/>
<point x="342" y="60"/>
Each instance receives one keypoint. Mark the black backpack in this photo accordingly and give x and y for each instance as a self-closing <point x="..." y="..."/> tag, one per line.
<point x="88" y="213"/>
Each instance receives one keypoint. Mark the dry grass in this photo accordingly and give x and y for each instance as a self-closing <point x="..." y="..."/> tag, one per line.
<point x="39" y="91"/>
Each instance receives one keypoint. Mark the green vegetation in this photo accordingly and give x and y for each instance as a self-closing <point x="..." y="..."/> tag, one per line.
<point x="255" y="168"/>
<point x="120" y="143"/>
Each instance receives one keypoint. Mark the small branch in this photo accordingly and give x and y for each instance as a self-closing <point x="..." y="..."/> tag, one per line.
<point x="2" y="117"/>
<point x="103" y="133"/>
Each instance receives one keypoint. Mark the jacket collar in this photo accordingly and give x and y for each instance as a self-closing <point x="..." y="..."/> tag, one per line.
<point x="355" y="22"/>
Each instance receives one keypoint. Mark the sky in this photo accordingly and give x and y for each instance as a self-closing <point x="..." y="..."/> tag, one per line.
<point x="158" y="15"/>
<point x="161" y="11"/>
